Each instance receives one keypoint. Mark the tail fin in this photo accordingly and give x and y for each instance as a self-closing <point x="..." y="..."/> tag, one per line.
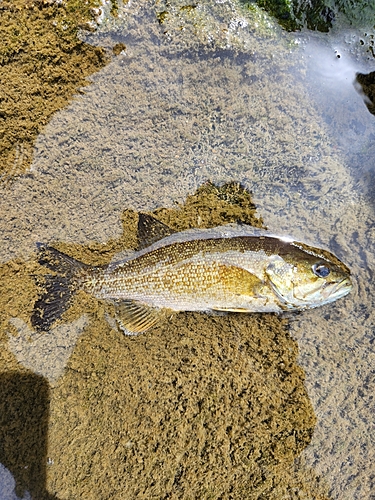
<point x="59" y="289"/>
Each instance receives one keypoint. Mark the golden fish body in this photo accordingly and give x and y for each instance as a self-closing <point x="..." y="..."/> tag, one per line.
<point x="228" y="268"/>
<point x="221" y="273"/>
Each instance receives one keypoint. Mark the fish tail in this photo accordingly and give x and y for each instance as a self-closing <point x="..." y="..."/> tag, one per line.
<point x="59" y="288"/>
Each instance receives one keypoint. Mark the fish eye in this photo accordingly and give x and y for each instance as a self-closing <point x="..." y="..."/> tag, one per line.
<point x="321" y="270"/>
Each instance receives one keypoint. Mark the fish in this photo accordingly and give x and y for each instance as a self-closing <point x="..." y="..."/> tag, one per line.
<point x="231" y="268"/>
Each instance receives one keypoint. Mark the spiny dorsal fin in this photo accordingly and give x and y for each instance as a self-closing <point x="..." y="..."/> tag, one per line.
<point x="151" y="230"/>
<point x="134" y="318"/>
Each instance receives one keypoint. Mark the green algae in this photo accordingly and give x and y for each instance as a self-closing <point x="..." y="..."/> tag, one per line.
<point x="320" y="15"/>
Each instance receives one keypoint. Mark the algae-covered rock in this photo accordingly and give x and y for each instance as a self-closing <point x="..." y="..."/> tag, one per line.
<point x="42" y="65"/>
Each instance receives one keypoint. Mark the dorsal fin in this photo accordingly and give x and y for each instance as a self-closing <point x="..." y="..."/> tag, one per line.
<point x="151" y="230"/>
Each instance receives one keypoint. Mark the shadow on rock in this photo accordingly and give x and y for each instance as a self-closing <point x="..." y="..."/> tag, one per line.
<point x="24" y="410"/>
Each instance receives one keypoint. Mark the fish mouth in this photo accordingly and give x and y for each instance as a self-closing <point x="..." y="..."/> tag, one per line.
<point x="320" y="295"/>
<point x="328" y="292"/>
<point x="336" y="290"/>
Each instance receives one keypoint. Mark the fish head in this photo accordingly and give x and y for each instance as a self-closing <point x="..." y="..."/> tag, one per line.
<point x="304" y="277"/>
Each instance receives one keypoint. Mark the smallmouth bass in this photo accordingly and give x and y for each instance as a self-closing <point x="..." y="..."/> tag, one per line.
<point x="228" y="268"/>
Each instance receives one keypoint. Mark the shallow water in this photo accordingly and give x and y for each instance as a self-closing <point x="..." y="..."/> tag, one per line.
<point x="214" y="101"/>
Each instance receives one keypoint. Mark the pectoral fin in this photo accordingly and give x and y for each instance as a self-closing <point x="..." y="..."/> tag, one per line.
<point x="239" y="280"/>
<point x="134" y="318"/>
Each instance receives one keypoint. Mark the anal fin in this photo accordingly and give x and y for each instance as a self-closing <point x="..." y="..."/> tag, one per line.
<point x="134" y="318"/>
